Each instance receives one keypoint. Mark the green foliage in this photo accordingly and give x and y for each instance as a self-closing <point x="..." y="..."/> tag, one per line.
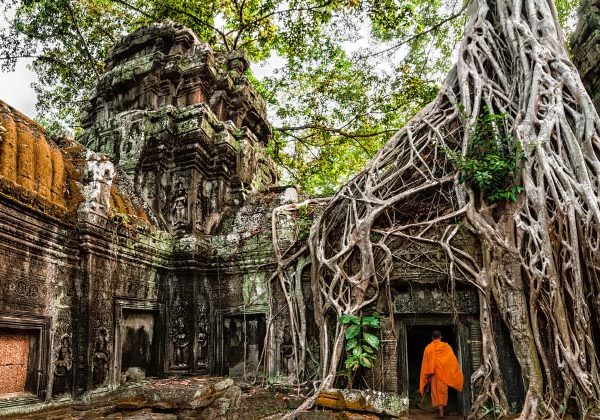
<point x="303" y="223"/>
<point x="339" y="76"/>
<point x="492" y="159"/>
<point x="361" y="343"/>
<point x="492" y="411"/>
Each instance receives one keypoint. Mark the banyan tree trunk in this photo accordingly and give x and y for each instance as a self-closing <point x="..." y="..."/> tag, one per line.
<point x="539" y="263"/>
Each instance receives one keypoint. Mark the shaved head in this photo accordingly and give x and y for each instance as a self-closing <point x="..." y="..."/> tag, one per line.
<point x="435" y="334"/>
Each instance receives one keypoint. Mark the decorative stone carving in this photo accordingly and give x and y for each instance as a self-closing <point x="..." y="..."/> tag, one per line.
<point x="101" y="358"/>
<point x="425" y="300"/>
<point x="202" y="339"/>
<point x="97" y="184"/>
<point x="179" y="207"/>
<point x="169" y="105"/>
<point x="286" y="352"/>
<point x="63" y="367"/>
<point x="181" y="342"/>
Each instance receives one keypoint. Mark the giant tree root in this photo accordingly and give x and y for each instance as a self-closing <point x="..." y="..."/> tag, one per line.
<point x="540" y="254"/>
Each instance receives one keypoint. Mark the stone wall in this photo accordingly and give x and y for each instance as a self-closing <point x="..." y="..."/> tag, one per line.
<point x="125" y="255"/>
<point x="585" y="46"/>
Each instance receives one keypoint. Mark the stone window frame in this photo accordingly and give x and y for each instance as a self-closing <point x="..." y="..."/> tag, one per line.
<point x="134" y="304"/>
<point x="40" y="325"/>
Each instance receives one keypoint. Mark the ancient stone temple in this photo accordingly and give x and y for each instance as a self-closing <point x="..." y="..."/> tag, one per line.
<point x="145" y="249"/>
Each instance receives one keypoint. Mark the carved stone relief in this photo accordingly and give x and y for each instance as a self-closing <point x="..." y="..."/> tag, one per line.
<point x="181" y="344"/>
<point x="426" y="300"/>
<point x="101" y="358"/>
<point x="180" y="334"/>
<point x="202" y="338"/>
<point x="179" y="204"/>
<point x="63" y="367"/>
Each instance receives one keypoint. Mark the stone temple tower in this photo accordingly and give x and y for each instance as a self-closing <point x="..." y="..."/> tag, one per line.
<point x="183" y="123"/>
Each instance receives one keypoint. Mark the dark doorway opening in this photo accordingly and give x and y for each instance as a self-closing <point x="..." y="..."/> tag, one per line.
<point x="139" y="350"/>
<point x="417" y="338"/>
<point x="243" y="340"/>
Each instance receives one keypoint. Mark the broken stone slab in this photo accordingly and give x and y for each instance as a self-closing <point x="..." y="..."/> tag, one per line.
<point x="335" y="415"/>
<point x="177" y="397"/>
<point x="363" y="401"/>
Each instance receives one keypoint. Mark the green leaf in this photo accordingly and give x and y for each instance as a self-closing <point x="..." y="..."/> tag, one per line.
<point x="357" y="351"/>
<point x="352" y="331"/>
<point x="371" y="321"/>
<point x="350" y="344"/>
<point x="372" y="340"/>
<point x="365" y="360"/>
<point x="351" y="363"/>
<point x="349" y="318"/>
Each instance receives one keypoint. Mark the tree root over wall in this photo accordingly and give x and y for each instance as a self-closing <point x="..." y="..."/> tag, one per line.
<point x="541" y="259"/>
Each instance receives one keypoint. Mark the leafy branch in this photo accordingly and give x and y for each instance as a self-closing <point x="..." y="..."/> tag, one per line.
<point x="491" y="162"/>
<point x="361" y="343"/>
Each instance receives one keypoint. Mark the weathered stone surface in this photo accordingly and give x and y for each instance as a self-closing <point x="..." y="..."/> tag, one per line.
<point x="335" y="415"/>
<point x="14" y="354"/>
<point x="585" y="45"/>
<point x="363" y="400"/>
<point x="110" y="251"/>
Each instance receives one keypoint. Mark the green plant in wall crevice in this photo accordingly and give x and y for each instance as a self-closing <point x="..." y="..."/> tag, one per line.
<point x="492" y="159"/>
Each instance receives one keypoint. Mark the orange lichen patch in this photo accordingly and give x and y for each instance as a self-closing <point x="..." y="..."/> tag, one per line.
<point x="58" y="177"/>
<point x="25" y="156"/>
<point x="122" y="204"/>
<point x="141" y="213"/>
<point x="44" y="169"/>
<point x="32" y="167"/>
<point x="8" y="148"/>
<point x="116" y="201"/>
<point x="14" y="357"/>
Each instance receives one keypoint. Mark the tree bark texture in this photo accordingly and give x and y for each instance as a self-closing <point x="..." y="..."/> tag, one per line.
<point x="540" y="254"/>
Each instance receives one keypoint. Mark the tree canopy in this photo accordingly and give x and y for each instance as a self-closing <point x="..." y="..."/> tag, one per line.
<point x="340" y="76"/>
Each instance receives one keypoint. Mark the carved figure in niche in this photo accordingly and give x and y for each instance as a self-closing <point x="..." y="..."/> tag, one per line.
<point x="181" y="343"/>
<point x="201" y="362"/>
<point x="63" y="367"/>
<point x="199" y="207"/>
<point x="101" y="358"/>
<point x="179" y="209"/>
<point x="286" y="351"/>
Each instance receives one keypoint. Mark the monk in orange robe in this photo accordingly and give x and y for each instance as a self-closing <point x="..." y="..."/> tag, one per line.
<point x="440" y="369"/>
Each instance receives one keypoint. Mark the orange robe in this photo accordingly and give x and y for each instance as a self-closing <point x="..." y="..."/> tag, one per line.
<point x="439" y="360"/>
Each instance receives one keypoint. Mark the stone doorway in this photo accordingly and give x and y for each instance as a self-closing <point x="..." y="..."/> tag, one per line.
<point x="242" y="343"/>
<point x="419" y="336"/>
<point x="138" y="345"/>
<point x="138" y="341"/>
<point x="15" y="370"/>
<point x="414" y="333"/>
<point x="23" y="359"/>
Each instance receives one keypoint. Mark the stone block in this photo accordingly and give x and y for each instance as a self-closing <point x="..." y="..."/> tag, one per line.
<point x="223" y="385"/>
<point x="363" y="401"/>
<point x="234" y="394"/>
<point x="14" y="354"/>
